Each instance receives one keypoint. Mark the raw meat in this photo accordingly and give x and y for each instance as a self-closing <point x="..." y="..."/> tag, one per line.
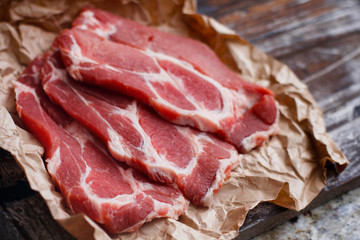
<point x="196" y="161"/>
<point x="182" y="79"/>
<point x="118" y="197"/>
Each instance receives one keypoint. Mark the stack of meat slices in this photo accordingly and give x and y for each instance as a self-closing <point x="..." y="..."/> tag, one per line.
<point x="93" y="102"/>
<point x="116" y="196"/>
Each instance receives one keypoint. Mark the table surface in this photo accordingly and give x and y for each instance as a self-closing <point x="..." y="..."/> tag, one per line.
<point x="318" y="39"/>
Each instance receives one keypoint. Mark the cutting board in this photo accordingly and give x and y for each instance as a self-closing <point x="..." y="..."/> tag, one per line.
<point x="319" y="40"/>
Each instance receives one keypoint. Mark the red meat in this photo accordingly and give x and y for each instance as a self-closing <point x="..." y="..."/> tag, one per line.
<point x="196" y="161"/>
<point x="182" y="79"/>
<point x="116" y="196"/>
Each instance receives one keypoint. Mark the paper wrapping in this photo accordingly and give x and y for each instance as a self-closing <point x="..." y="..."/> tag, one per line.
<point x="288" y="170"/>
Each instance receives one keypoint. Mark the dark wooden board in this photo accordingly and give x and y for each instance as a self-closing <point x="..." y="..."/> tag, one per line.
<point x="318" y="39"/>
<point x="23" y="212"/>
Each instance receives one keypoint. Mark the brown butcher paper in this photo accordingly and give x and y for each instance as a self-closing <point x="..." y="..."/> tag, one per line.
<point x="288" y="170"/>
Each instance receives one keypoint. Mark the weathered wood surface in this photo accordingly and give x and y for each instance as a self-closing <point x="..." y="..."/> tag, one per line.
<point x="319" y="40"/>
<point x="23" y="212"/>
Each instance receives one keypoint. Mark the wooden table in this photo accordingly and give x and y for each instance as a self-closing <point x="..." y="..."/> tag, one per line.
<point x="319" y="40"/>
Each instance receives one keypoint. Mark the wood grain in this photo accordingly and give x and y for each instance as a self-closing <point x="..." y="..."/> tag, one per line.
<point x="319" y="40"/>
<point x="33" y="218"/>
<point x="23" y="212"/>
<point x="10" y="172"/>
<point x="7" y="229"/>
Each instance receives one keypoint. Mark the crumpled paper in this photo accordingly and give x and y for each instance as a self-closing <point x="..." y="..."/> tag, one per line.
<point x="288" y="170"/>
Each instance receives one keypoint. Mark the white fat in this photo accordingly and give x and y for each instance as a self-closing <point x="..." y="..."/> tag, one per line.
<point x="116" y="145"/>
<point x="22" y="88"/>
<point x="250" y="142"/>
<point x="224" y="92"/>
<point x="76" y="52"/>
<point x="90" y="20"/>
<point x="55" y="161"/>
<point x="233" y="161"/>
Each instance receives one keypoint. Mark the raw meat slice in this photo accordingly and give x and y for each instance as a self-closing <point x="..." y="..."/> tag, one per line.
<point x="196" y="161"/>
<point x="182" y="79"/>
<point x="118" y="197"/>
